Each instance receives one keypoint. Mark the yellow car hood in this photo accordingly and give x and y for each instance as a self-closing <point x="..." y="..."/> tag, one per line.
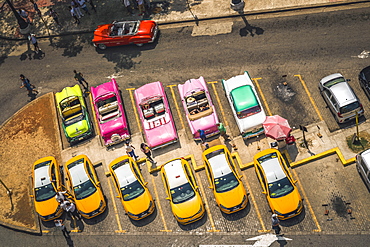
<point x="287" y="203"/>
<point x="138" y="205"/>
<point x="91" y="203"/>
<point x="232" y="197"/>
<point x="47" y="207"/>
<point x="188" y="208"/>
<point x="77" y="129"/>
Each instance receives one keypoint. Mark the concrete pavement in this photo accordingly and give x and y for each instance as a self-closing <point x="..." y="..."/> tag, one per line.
<point x="23" y="219"/>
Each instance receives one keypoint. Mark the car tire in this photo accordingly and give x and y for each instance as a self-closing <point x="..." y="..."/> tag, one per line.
<point x="141" y="44"/>
<point x="102" y="46"/>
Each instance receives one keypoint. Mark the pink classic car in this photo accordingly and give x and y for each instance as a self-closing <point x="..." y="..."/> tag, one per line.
<point x="155" y="115"/>
<point x="200" y="112"/>
<point x="109" y="113"/>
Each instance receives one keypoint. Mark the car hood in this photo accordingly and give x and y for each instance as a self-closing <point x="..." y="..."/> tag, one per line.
<point x="101" y="31"/>
<point x="231" y="198"/>
<point x="160" y="135"/>
<point x="90" y="203"/>
<point x="47" y="207"/>
<point x="187" y="209"/>
<point x="115" y="126"/>
<point x="139" y="204"/>
<point x="286" y="204"/>
<point x="77" y="129"/>
<point x="203" y="123"/>
<point x="254" y="121"/>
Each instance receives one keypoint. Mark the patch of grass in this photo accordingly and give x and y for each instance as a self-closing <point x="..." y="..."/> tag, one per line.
<point x="359" y="145"/>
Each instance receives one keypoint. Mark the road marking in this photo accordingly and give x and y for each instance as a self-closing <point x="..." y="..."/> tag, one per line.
<point x="219" y="101"/>
<point x="303" y="192"/>
<point x="262" y="95"/>
<point x="207" y="206"/>
<point x="177" y="106"/>
<point x="114" y="204"/>
<point x="134" y="106"/>
<point x="160" y="207"/>
<point x="310" y="97"/>
<point x="262" y="241"/>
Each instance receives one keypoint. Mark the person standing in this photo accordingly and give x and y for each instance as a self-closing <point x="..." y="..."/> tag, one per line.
<point x="222" y="130"/>
<point x="147" y="151"/>
<point x="92" y="5"/>
<point x="202" y="135"/>
<point x="59" y="224"/>
<point x="55" y="16"/>
<point x="27" y="84"/>
<point x="71" y="210"/>
<point x="80" y="79"/>
<point x="77" y="9"/>
<point x="24" y="14"/>
<point x="128" y="6"/>
<point x="275" y="224"/>
<point x="33" y="39"/>
<point x="140" y="3"/>
<point x="60" y="197"/>
<point x="130" y="150"/>
<point x="72" y="10"/>
<point x="83" y="6"/>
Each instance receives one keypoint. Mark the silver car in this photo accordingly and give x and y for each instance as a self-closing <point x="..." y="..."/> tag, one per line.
<point x="341" y="99"/>
<point x="363" y="166"/>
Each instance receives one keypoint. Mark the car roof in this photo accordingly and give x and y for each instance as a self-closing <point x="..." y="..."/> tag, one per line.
<point x="42" y="177"/>
<point x="219" y="165"/>
<point x="244" y="97"/>
<point x="273" y="170"/>
<point x="175" y="173"/>
<point x="78" y="173"/>
<point x="366" y="73"/>
<point x="366" y="157"/>
<point x="343" y="93"/>
<point x="124" y="174"/>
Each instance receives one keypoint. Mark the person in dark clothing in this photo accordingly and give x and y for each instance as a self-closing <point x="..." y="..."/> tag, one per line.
<point x="275" y="224"/>
<point x="202" y="135"/>
<point x="146" y="150"/>
<point x="80" y="79"/>
<point x="59" y="223"/>
<point x="27" y="84"/>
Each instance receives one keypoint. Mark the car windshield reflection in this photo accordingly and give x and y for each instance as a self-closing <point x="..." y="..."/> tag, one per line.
<point x="45" y="192"/>
<point x="280" y="188"/>
<point x="84" y="190"/>
<point x="132" y="191"/>
<point x="226" y="183"/>
<point x="182" y="193"/>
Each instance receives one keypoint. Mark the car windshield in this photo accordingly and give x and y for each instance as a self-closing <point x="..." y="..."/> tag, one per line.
<point x="182" y="193"/>
<point x="84" y="190"/>
<point x="215" y="153"/>
<point x="107" y="101"/>
<point x="280" y="188"/>
<point x="44" y="193"/>
<point x="132" y="190"/>
<point x="350" y="107"/>
<point x="267" y="157"/>
<point x="73" y="120"/>
<point x="249" y="112"/>
<point x="226" y="183"/>
<point x="334" y="81"/>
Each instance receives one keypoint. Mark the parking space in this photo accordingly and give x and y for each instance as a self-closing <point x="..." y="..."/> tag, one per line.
<point x="299" y="102"/>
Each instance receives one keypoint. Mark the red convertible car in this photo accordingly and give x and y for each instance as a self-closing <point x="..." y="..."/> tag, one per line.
<point x="125" y="33"/>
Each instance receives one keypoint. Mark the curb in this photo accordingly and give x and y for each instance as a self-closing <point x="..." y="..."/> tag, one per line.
<point x="251" y="13"/>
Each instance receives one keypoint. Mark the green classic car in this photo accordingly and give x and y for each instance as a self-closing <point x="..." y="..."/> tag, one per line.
<point x="73" y="112"/>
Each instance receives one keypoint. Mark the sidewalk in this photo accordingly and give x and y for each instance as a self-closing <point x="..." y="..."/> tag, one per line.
<point x="163" y="12"/>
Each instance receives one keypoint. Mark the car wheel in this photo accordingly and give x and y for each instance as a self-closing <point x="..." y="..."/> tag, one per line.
<point x="102" y="46"/>
<point x="141" y="44"/>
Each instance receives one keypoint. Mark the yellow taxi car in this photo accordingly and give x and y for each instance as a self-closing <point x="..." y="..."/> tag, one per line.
<point x="131" y="188"/>
<point x="84" y="186"/>
<point x="224" y="179"/>
<point x="277" y="183"/>
<point x="46" y="181"/>
<point x="182" y="191"/>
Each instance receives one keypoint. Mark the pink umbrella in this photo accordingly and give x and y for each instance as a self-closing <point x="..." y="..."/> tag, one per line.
<point x="276" y="127"/>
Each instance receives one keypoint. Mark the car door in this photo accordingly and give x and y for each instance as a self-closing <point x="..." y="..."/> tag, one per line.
<point x="364" y="171"/>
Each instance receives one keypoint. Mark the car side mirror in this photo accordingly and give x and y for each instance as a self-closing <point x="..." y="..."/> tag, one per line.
<point x="211" y="187"/>
<point x="348" y="79"/>
<point x="167" y="198"/>
<point x="295" y="181"/>
<point x="107" y="174"/>
<point x="32" y="196"/>
<point x="240" y="176"/>
<point x="264" y="192"/>
<point x="146" y="183"/>
<point x="118" y="196"/>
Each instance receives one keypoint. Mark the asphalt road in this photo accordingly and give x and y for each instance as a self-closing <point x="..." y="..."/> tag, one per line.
<point x="311" y="46"/>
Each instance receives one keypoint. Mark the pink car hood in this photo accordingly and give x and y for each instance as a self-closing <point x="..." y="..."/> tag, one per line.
<point x="116" y="125"/>
<point x="204" y="123"/>
<point x="159" y="130"/>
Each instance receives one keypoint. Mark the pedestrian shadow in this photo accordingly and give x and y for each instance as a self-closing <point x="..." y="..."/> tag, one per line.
<point x="30" y="54"/>
<point x="69" y="241"/>
<point x="32" y="96"/>
<point x="248" y="29"/>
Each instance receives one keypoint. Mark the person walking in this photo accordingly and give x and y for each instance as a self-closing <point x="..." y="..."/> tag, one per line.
<point x="36" y="7"/>
<point x="92" y="5"/>
<point x="59" y="224"/>
<point x="147" y="151"/>
<point x="222" y="130"/>
<point x="128" y="6"/>
<point x="27" y="84"/>
<point x="140" y="3"/>
<point x="24" y="14"/>
<point x="72" y="10"/>
<point x="276" y="224"/>
<point x="77" y="8"/>
<point x="130" y="150"/>
<point x="60" y="196"/>
<point x="202" y="135"/>
<point x="55" y="16"/>
<point x="33" y="39"/>
<point x="71" y="210"/>
<point x="80" y="79"/>
<point x="83" y="6"/>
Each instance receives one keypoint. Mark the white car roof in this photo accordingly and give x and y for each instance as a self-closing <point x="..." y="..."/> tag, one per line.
<point x="175" y="173"/>
<point x="366" y="157"/>
<point x="219" y="165"/>
<point x="124" y="175"/>
<point x="78" y="174"/>
<point x="273" y="170"/>
<point x="42" y="177"/>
